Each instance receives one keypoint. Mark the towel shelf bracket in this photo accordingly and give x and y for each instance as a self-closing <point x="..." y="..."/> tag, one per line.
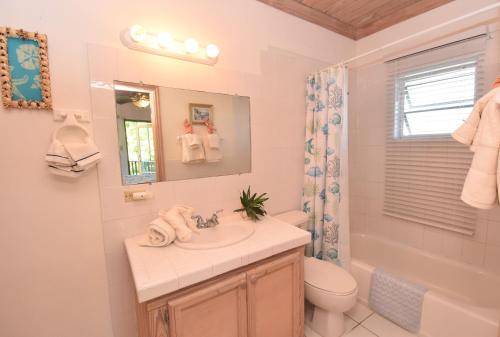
<point x="78" y="115"/>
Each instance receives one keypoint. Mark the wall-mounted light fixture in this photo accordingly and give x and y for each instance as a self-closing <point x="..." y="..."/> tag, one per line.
<point x="164" y="44"/>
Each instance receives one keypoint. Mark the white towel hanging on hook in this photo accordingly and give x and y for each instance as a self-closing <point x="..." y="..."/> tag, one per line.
<point x="72" y="151"/>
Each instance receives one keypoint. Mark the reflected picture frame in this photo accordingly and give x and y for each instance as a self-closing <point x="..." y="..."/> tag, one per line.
<point x="200" y="113"/>
<point x="24" y="69"/>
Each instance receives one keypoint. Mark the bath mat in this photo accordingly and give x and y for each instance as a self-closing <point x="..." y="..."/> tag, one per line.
<point x="397" y="299"/>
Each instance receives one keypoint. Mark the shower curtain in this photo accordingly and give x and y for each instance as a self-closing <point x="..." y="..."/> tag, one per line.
<point x="326" y="185"/>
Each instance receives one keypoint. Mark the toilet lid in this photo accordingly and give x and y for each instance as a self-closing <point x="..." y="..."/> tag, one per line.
<point x="328" y="277"/>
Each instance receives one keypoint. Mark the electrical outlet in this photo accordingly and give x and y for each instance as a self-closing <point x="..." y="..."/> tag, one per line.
<point x="136" y="195"/>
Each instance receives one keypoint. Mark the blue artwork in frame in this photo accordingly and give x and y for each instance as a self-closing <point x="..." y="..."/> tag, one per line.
<point x="24" y="69"/>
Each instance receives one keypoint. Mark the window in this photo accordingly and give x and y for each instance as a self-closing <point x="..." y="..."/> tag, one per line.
<point x="436" y="100"/>
<point x="429" y="96"/>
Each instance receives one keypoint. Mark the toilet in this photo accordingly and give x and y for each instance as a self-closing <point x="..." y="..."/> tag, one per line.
<point x="329" y="288"/>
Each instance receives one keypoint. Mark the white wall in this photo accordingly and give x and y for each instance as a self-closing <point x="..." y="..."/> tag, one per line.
<point x="54" y="281"/>
<point x="367" y="103"/>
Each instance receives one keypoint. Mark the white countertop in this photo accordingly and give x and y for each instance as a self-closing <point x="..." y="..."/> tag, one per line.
<point x="160" y="271"/>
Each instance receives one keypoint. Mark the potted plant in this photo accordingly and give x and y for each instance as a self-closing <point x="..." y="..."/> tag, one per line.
<point x="252" y="205"/>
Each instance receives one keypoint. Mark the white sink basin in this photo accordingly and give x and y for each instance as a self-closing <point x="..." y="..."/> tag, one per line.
<point x="219" y="236"/>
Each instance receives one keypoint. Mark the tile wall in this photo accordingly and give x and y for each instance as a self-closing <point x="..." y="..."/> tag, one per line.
<point x="367" y="103"/>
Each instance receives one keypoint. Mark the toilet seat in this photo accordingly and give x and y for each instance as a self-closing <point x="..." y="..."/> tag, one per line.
<point x="328" y="277"/>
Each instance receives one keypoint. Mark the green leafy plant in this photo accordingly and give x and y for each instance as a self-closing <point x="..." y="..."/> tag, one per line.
<point x="252" y="204"/>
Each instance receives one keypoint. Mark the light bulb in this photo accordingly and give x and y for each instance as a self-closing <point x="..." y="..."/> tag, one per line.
<point x="212" y="51"/>
<point x="191" y="46"/>
<point x="165" y="40"/>
<point x="138" y="33"/>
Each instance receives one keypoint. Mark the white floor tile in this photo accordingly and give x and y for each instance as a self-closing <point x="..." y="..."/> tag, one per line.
<point x="385" y="328"/>
<point x="360" y="312"/>
<point x="349" y="323"/>
<point x="310" y="332"/>
<point x="359" y="331"/>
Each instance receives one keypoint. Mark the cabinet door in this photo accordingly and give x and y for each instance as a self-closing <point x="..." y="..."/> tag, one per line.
<point x="276" y="298"/>
<point x="157" y="323"/>
<point x="219" y="310"/>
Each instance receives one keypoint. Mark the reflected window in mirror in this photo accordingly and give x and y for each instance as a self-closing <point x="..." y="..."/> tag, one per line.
<point x="136" y="108"/>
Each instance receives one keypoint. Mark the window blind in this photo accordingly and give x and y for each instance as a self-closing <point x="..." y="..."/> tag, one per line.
<point x="430" y="95"/>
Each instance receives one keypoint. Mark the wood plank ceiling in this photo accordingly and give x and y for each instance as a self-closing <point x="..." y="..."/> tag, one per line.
<point x="355" y="18"/>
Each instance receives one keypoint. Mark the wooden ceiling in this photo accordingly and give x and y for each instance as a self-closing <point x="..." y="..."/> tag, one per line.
<point x="355" y="18"/>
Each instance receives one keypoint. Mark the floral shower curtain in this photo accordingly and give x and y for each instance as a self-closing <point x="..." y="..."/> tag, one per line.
<point x="325" y="194"/>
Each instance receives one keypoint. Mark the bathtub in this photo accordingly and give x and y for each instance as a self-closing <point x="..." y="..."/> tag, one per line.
<point x="462" y="301"/>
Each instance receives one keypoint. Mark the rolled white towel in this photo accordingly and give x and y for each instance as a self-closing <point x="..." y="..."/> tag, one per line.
<point x="160" y="234"/>
<point x="176" y="220"/>
<point x="213" y="140"/>
<point x="187" y="212"/>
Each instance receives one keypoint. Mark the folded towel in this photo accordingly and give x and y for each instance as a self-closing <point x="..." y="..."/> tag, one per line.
<point x="71" y="151"/>
<point x="213" y="140"/>
<point x="160" y="234"/>
<point x="191" y="155"/>
<point x="212" y="155"/>
<point x="57" y="155"/>
<point x="84" y="154"/>
<point x="193" y="140"/>
<point x="60" y="161"/>
<point x="176" y="220"/>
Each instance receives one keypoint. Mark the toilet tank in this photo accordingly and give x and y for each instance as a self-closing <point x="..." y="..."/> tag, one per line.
<point x="294" y="218"/>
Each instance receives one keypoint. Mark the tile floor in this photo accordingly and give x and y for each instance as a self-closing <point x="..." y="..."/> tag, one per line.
<point x="360" y="321"/>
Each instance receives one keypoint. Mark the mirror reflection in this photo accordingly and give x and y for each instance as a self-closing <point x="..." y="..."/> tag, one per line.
<point x="176" y="134"/>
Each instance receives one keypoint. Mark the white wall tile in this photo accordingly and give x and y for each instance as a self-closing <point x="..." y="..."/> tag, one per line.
<point x="492" y="258"/>
<point x="452" y="246"/>
<point x="473" y="252"/>
<point x="493" y="237"/>
<point x="433" y="240"/>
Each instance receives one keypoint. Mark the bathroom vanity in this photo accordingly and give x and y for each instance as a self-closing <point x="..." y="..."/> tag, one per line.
<point x="251" y="288"/>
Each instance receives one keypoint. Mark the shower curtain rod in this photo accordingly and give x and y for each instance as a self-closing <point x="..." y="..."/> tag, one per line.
<point x="425" y="31"/>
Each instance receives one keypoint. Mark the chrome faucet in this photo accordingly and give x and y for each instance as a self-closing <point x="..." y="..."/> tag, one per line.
<point x="210" y="222"/>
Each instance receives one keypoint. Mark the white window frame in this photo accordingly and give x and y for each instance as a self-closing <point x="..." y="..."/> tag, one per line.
<point x="399" y="103"/>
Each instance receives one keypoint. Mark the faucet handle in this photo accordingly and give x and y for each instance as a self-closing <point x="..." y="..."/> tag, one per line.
<point x="215" y="216"/>
<point x="198" y="219"/>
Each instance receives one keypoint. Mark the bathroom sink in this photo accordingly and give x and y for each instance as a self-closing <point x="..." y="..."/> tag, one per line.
<point x="219" y="236"/>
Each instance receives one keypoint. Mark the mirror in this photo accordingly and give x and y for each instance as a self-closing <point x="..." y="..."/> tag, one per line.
<point x="167" y="134"/>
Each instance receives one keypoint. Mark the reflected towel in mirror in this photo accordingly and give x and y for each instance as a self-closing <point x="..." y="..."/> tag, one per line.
<point x="193" y="140"/>
<point x="213" y="140"/>
<point x="212" y="155"/>
<point x="191" y="155"/>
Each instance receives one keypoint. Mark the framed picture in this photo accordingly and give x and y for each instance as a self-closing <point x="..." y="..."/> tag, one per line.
<point x="200" y="113"/>
<point x="24" y="69"/>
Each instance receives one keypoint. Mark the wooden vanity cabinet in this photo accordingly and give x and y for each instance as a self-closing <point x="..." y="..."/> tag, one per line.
<point x="265" y="299"/>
